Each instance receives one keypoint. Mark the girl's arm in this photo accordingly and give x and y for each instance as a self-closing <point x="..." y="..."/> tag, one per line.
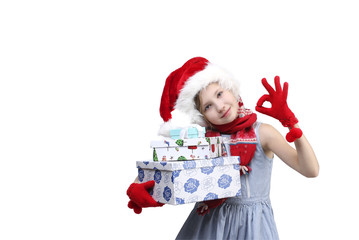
<point x="302" y="158"/>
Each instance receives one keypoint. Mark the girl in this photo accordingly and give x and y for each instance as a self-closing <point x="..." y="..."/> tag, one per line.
<point x="210" y="96"/>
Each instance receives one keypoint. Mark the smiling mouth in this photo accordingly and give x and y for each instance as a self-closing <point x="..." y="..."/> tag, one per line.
<point x="226" y="113"/>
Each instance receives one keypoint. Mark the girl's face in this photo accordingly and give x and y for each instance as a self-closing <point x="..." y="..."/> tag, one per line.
<point x="219" y="106"/>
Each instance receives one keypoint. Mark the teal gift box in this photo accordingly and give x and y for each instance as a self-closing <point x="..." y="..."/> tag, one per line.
<point x="175" y="133"/>
<point x="190" y="132"/>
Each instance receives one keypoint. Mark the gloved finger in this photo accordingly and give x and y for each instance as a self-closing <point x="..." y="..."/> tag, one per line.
<point x="264" y="110"/>
<point x="263" y="99"/>
<point x="146" y="200"/>
<point x="135" y="207"/>
<point x="130" y="204"/>
<point x="278" y="87"/>
<point x="150" y="202"/>
<point x="268" y="87"/>
<point x="285" y="91"/>
<point x="159" y="204"/>
<point x="148" y="185"/>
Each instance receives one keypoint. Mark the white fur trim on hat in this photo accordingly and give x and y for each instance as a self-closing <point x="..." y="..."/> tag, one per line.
<point x="212" y="73"/>
<point x="179" y="120"/>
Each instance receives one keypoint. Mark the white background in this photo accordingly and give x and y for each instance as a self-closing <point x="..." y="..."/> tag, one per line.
<point x="80" y="88"/>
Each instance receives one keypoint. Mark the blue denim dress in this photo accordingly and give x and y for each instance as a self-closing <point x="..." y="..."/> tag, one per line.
<point x="249" y="216"/>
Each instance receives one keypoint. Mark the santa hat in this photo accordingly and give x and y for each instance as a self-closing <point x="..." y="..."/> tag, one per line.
<point x="183" y="84"/>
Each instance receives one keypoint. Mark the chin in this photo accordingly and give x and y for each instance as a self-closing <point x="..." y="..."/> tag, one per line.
<point x="230" y="119"/>
<point x="227" y="121"/>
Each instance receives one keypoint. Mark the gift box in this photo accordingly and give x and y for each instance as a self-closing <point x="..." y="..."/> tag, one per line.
<point x="188" y="149"/>
<point x="183" y="182"/>
<point x="190" y="132"/>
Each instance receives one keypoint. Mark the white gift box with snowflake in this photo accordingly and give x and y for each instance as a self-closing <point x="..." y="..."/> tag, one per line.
<point x="190" y="181"/>
<point x="188" y="149"/>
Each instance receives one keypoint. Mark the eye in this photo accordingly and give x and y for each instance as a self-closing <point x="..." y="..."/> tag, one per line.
<point x="207" y="107"/>
<point x="219" y="94"/>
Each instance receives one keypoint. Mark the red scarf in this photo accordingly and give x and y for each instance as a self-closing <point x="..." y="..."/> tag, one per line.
<point x="243" y="137"/>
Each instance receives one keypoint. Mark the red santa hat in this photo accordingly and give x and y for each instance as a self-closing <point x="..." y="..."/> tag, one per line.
<point x="183" y="84"/>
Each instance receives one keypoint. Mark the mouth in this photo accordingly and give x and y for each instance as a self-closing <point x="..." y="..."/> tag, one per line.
<point x="226" y="113"/>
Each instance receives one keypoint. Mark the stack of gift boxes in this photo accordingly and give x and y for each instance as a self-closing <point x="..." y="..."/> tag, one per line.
<point x="190" y="167"/>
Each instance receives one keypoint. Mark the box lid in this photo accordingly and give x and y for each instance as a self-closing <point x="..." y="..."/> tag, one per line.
<point x="168" y="142"/>
<point x="190" y="164"/>
<point x="180" y="142"/>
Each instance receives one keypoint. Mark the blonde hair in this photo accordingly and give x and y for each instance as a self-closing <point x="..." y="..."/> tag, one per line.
<point x="197" y="101"/>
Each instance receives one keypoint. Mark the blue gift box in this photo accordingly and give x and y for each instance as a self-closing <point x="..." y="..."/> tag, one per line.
<point x="190" y="181"/>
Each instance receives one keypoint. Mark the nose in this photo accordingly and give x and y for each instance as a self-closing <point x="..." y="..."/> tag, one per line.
<point x="220" y="107"/>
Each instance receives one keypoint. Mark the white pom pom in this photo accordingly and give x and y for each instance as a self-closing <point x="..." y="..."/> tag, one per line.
<point x="165" y="129"/>
<point x="179" y="120"/>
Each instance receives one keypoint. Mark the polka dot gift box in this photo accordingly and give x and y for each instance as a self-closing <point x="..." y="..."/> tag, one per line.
<point x="181" y="182"/>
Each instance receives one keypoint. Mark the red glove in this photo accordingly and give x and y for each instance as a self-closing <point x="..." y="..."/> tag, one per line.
<point x="279" y="109"/>
<point x="204" y="207"/>
<point x="140" y="198"/>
